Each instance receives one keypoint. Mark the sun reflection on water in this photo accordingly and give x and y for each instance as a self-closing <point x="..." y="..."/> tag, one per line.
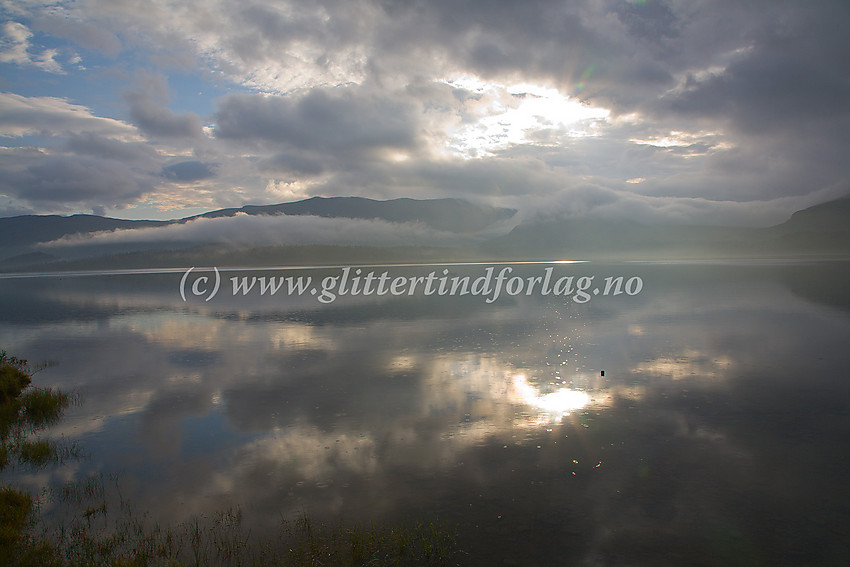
<point x="557" y="404"/>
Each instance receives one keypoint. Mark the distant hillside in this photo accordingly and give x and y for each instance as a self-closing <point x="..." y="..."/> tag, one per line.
<point x="29" y="229"/>
<point x="826" y="217"/>
<point x="822" y="230"/>
<point x="19" y="235"/>
<point x="451" y="215"/>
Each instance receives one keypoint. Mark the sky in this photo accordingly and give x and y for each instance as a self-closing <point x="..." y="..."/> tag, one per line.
<point x="684" y="111"/>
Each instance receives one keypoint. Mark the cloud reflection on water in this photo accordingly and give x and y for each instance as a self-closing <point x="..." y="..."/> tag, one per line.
<point x="469" y="411"/>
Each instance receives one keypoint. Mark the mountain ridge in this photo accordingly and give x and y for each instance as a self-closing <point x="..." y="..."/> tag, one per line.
<point x="451" y="215"/>
<point x="820" y="230"/>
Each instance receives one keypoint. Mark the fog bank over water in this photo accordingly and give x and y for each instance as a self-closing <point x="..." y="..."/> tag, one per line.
<point x="354" y="230"/>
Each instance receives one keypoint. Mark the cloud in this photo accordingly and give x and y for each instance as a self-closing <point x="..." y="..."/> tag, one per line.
<point x="188" y="171"/>
<point x="721" y="101"/>
<point x="481" y="179"/>
<point x="279" y="230"/>
<point x="15" y="44"/>
<point x="15" y="48"/>
<point x="583" y="200"/>
<point x="293" y="163"/>
<point x="148" y="112"/>
<point x="785" y="77"/>
<point x="87" y="160"/>
<point x="63" y="179"/>
<point x="89" y="143"/>
<point x="334" y="121"/>
<point x="86" y="34"/>
<point x="52" y="116"/>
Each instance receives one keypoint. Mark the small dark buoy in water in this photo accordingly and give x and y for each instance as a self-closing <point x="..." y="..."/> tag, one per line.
<point x="602" y="373"/>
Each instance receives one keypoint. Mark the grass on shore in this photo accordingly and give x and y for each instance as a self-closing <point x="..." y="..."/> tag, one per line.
<point x="94" y="534"/>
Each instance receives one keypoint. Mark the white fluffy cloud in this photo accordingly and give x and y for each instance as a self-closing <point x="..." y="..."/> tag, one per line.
<point x="53" y="116"/>
<point x="15" y="48"/>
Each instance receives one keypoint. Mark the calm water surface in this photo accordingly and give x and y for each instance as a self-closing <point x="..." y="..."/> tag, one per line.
<point x="717" y="435"/>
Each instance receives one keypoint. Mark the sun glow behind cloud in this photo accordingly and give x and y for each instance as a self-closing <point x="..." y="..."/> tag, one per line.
<point x="424" y="100"/>
<point x="516" y="114"/>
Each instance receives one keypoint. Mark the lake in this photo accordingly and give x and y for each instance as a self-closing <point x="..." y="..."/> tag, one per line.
<point x="702" y="419"/>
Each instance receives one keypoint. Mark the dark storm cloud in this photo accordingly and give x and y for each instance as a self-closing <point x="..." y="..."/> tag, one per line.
<point x="337" y="122"/>
<point x="188" y="171"/>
